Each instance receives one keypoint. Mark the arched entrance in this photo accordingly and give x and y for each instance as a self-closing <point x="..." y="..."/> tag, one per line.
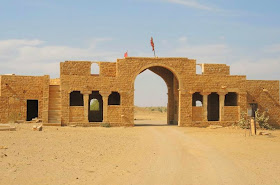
<point x="172" y="84"/>
<point x="95" y="107"/>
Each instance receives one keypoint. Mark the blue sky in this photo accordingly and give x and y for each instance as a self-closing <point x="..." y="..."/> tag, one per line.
<point x="36" y="35"/>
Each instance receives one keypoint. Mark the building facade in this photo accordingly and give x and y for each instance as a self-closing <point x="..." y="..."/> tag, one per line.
<point x="81" y="97"/>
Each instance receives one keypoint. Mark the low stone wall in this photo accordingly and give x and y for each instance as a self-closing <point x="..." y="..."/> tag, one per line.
<point x="197" y="113"/>
<point x="114" y="114"/>
<point x="76" y="114"/>
<point x="231" y="113"/>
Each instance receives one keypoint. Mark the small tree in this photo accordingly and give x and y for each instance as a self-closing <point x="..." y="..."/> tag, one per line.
<point x="262" y="119"/>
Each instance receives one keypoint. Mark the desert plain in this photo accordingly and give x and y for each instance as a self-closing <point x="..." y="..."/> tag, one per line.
<point x="151" y="153"/>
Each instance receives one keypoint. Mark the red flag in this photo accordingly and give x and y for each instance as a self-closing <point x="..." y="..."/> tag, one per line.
<point x="125" y="54"/>
<point x="152" y="43"/>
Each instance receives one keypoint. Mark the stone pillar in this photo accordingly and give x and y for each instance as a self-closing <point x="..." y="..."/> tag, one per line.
<point x="46" y="92"/>
<point x="86" y="103"/>
<point x="253" y="127"/>
<point x="105" y="96"/>
<point x="222" y="105"/>
<point x="205" y="105"/>
<point x="170" y="106"/>
<point x="242" y="103"/>
<point x="185" y="108"/>
<point x="86" y="99"/>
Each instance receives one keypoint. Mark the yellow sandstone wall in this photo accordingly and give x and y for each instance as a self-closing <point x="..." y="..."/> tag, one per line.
<point x="178" y="73"/>
<point x="77" y="114"/>
<point x="231" y="113"/>
<point x="197" y="113"/>
<point x="16" y="90"/>
<point x="266" y="94"/>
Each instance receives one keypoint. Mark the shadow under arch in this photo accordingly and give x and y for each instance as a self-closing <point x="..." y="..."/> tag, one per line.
<point x="172" y="82"/>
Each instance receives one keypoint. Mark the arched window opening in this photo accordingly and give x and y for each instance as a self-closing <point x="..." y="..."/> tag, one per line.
<point x="231" y="99"/>
<point x="76" y="99"/>
<point x="198" y="103"/>
<point x="114" y="99"/>
<point x="197" y="99"/>
<point x="198" y="69"/>
<point x="95" y="69"/>
<point x="94" y="105"/>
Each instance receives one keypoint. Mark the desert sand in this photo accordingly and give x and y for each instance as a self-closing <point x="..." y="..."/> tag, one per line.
<point x="151" y="153"/>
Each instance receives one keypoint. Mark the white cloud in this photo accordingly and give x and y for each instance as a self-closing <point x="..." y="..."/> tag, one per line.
<point x="194" y="4"/>
<point x="261" y="69"/>
<point x="272" y="48"/>
<point x="208" y="53"/>
<point x="95" y="41"/>
<point x="35" y="57"/>
<point x="30" y="57"/>
<point x="222" y="37"/>
<point x="183" y="39"/>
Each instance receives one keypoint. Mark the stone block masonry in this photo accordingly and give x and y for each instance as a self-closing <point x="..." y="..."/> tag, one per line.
<point x="83" y="97"/>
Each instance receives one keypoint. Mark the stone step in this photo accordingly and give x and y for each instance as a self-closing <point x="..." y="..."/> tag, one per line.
<point x="54" y="87"/>
<point x="55" y="104"/>
<point x="8" y="128"/>
<point x="51" y="99"/>
<point x="52" y="124"/>
<point x="90" y="124"/>
<point x="55" y="108"/>
<point x="53" y="93"/>
<point x="52" y="120"/>
<point x="54" y="115"/>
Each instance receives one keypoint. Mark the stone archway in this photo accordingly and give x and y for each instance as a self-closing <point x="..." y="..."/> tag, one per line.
<point x="172" y="84"/>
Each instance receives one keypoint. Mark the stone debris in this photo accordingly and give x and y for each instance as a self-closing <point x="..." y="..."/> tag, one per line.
<point x="7" y="127"/>
<point x="36" y="120"/>
<point x="3" y="147"/>
<point x="37" y="128"/>
<point x="19" y="121"/>
<point x="215" y="126"/>
<point x="264" y="133"/>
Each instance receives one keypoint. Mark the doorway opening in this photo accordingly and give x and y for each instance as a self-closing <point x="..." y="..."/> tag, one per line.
<point x="32" y="109"/>
<point x="213" y="107"/>
<point x="95" y="108"/>
<point x="156" y="97"/>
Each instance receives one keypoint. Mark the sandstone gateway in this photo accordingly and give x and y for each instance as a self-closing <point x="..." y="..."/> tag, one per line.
<point x="82" y="98"/>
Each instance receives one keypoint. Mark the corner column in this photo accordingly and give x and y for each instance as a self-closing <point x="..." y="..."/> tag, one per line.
<point x="105" y="96"/>
<point x="205" y="105"/>
<point x="86" y="100"/>
<point x="222" y="104"/>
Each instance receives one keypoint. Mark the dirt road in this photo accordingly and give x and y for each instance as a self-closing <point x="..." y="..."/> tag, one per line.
<point x="144" y="155"/>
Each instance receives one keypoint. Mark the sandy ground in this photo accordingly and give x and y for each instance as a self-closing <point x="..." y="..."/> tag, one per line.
<point x="140" y="155"/>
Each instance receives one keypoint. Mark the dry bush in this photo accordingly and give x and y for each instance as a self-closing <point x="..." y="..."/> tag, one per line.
<point x="262" y="118"/>
<point x="244" y="122"/>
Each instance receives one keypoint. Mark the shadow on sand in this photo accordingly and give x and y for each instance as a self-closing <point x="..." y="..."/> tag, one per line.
<point x="144" y="123"/>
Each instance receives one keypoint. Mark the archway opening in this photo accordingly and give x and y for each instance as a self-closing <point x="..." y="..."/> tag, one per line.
<point x="156" y="97"/>
<point x="95" y="108"/>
